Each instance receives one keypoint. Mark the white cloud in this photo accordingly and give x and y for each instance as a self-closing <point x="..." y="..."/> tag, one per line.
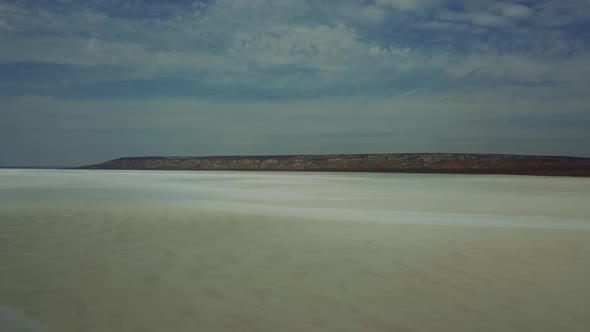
<point x="478" y="18"/>
<point x="502" y="67"/>
<point x="373" y="14"/>
<point x="405" y="4"/>
<point x="321" y="46"/>
<point x="555" y="13"/>
<point x="98" y="52"/>
<point x="512" y="10"/>
<point x="487" y="14"/>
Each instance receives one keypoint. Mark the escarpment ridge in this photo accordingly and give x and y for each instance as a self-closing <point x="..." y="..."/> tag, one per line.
<point x="459" y="163"/>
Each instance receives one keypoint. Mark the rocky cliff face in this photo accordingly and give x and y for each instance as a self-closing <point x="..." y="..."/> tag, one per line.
<point x="419" y="163"/>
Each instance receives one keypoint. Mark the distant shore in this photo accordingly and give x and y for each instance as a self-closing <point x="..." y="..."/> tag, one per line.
<point x="446" y="163"/>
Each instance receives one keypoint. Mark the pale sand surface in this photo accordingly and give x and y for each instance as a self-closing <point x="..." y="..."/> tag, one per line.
<point x="101" y="265"/>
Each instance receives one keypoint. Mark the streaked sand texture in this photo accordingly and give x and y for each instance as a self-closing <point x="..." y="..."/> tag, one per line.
<point x="179" y="251"/>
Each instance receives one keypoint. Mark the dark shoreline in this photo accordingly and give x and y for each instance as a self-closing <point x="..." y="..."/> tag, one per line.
<point x="421" y="163"/>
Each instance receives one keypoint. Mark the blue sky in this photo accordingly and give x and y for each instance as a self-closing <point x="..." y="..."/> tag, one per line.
<point x="85" y="81"/>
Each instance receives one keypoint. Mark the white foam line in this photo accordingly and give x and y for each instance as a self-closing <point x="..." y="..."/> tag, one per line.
<point x="398" y="217"/>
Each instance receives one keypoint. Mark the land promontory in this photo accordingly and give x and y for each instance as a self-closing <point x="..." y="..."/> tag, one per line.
<point x="460" y="163"/>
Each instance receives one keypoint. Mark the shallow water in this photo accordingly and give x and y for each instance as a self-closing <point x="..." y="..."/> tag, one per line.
<point x="241" y="251"/>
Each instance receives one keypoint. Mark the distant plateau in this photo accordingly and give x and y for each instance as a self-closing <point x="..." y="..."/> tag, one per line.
<point x="449" y="163"/>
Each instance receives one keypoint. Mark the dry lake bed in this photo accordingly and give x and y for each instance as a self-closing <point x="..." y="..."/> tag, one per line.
<point x="126" y="251"/>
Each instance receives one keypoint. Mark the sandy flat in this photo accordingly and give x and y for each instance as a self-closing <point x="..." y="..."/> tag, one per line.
<point x="110" y="265"/>
<point x="155" y="269"/>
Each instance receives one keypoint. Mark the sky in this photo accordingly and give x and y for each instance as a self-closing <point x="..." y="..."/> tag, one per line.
<point x="86" y="81"/>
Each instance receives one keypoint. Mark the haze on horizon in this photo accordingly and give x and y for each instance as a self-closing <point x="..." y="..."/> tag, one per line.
<point x="86" y="81"/>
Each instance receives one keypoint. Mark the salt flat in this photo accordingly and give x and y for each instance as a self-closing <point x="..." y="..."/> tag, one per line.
<point x="239" y="251"/>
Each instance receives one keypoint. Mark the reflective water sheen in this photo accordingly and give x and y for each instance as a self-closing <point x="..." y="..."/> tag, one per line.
<point x="110" y="251"/>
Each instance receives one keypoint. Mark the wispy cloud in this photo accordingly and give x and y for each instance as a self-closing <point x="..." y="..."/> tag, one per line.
<point x="406" y="5"/>
<point x="235" y="37"/>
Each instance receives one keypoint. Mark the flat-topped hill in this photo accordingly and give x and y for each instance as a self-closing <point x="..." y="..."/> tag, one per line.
<point x="461" y="163"/>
